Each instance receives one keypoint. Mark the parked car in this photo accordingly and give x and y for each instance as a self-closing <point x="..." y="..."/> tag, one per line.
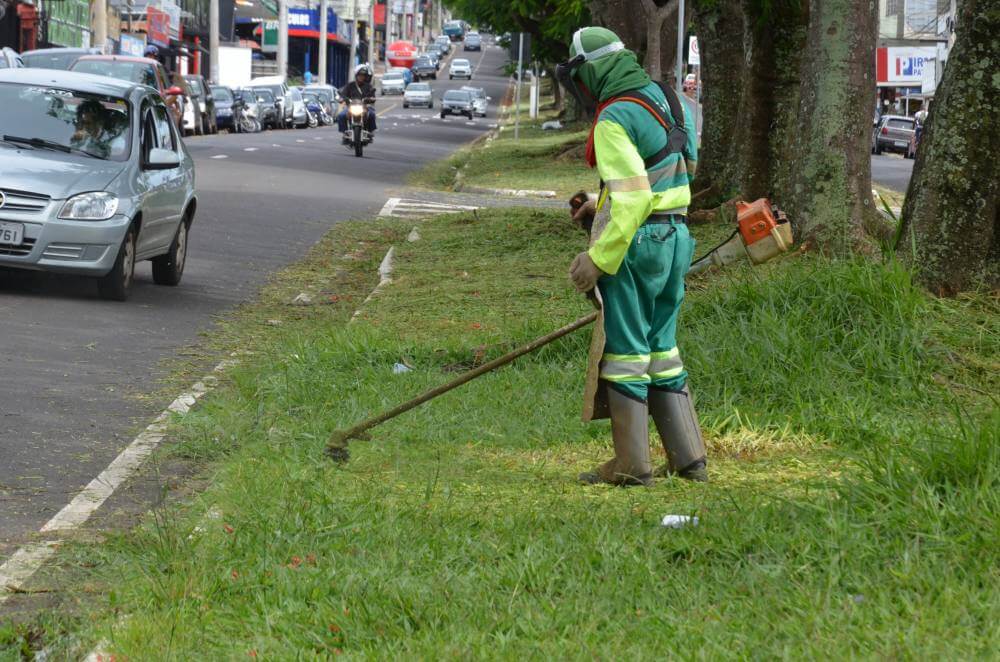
<point x="9" y="59"/>
<point x="893" y="133"/>
<point x="204" y="101"/>
<point x="279" y="88"/>
<point x="480" y="102"/>
<point x="190" y="123"/>
<point x="96" y="178"/>
<point x="227" y="104"/>
<point x="424" y="68"/>
<point x="141" y="70"/>
<point x="457" y="102"/>
<point x="418" y="94"/>
<point x="326" y="95"/>
<point x="393" y="83"/>
<point x="443" y="43"/>
<point x="472" y="42"/>
<point x="267" y="106"/>
<point x="460" y="68"/>
<point x="55" y="58"/>
<point x="300" y="115"/>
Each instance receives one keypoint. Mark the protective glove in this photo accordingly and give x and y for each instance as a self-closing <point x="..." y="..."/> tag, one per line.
<point x="584" y="273"/>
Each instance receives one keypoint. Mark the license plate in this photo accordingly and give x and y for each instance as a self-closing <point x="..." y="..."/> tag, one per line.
<point x="11" y="234"/>
<point x="900" y="143"/>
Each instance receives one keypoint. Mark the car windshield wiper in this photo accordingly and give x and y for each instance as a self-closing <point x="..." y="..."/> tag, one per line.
<point x="39" y="142"/>
<point x="50" y="144"/>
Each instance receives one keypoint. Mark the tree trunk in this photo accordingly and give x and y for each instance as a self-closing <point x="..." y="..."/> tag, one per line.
<point x="774" y="41"/>
<point x="720" y="29"/>
<point x="951" y="204"/>
<point x="623" y="17"/>
<point x="652" y="60"/>
<point x="557" y="91"/>
<point x="825" y="183"/>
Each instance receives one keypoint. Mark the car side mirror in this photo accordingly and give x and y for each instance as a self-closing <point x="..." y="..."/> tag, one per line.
<point x="162" y="159"/>
<point x="174" y="91"/>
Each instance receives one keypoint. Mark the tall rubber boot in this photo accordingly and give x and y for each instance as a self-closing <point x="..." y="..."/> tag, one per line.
<point x="673" y="414"/>
<point x="630" y="432"/>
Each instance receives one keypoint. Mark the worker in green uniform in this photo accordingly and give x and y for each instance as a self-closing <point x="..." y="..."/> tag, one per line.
<point x="639" y="254"/>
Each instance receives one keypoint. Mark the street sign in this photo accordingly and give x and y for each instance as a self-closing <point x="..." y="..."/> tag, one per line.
<point x="269" y="37"/>
<point x="694" y="56"/>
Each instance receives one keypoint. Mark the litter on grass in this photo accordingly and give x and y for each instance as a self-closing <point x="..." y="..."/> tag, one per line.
<point x="678" y="521"/>
<point x="400" y="368"/>
<point x="552" y="126"/>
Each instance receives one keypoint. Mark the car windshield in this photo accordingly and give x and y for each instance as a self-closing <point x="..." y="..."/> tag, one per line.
<point x="264" y="95"/>
<point x="222" y="94"/>
<point x="900" y="124"/>
<point x="92" y="124"/>
<point x="460" y="63"/>
<point x="46" y="60"/>
<point x="309" y="96"/>
<point x="195" y="85"/>
<point x="425" y="61"/>
<point x="272" y="89"/>
<point x="392" y="78"/>
<point x="475" y="92"/>
<point x="419" y="87"/>
<point x="137" y="72"/>
<point x="456" y="95"/>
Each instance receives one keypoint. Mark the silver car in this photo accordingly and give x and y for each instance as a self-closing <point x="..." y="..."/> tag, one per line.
<point x="480" y="101"/>
<point x="393" y="82"/>
<point x="95" y="178"/>
<point x="460" y="68"/>
<point x="418" y="94"/>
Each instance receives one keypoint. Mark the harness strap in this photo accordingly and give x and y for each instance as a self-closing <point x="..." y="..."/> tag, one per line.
<point x="676" y="133"/>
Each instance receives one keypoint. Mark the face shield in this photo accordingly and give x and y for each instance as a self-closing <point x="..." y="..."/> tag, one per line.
<point x="566" y="76"/>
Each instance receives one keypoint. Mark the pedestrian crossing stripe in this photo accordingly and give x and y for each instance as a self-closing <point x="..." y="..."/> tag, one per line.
<point x="402" y="207"/>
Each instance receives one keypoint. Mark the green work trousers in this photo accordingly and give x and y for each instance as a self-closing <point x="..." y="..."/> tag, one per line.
<point x="641" y="303"/>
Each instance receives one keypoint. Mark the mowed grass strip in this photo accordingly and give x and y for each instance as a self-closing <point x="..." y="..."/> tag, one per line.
<point x="853" y="509"/>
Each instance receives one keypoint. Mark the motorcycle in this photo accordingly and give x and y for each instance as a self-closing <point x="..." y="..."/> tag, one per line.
<point x="317" y="113"/>
<point x="246" y="119"/>
<point x="357" y="136"/>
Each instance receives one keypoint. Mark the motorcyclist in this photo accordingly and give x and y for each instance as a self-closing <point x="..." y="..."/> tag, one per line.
<point x="362" y="90"/>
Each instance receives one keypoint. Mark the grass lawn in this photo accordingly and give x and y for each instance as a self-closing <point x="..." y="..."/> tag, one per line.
<point x="546" y="160"/>
<point x="853" y="509"/>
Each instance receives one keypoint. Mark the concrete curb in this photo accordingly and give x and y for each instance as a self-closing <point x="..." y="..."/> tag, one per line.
<point x="508" y="192"/>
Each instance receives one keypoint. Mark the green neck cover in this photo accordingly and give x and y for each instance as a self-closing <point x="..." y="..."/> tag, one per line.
<point x="613" y="74"/>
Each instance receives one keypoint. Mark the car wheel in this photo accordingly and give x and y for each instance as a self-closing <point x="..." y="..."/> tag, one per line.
<point x="198" y="128"/>
<point x="383" y="92"/>
<point x="406" y="105"/>
<point x="450" y="77"/>
<point x="878" y="148"/>
<point x="169" y="267"/>
<point x="435" y="76"/>
<point x="116" y="284"/>
<point x="442" y="115"/>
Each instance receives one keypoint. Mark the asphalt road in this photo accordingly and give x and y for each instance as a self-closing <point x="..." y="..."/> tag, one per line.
<point x="77" y="371"/>
<point x="892" y="171"/>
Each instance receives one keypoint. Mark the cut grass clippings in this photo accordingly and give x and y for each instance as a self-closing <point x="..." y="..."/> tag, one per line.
<point x="854" y="456"/>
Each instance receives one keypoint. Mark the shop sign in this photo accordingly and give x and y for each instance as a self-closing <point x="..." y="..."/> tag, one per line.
<point x="898" y="66"/>
<point x="157" y="26"/>
<point x="131" y="44"/>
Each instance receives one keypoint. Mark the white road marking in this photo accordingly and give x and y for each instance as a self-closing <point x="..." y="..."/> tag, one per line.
<point x="403" y="207"/>
<point x="275" y="145"/>
<point x="26" y="561"/>
<point x="250" y="149"/>
<point x="220" y="156"/>
<point x="22" y="565"/>
<point x="318" y="138"/>
<point x="299" y="140"/>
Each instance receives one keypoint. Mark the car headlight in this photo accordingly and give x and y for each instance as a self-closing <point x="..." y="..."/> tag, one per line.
<point x="94" y="206"/>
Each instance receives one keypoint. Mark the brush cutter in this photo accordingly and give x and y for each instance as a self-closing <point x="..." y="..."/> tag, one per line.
<point x="762" y="233"/>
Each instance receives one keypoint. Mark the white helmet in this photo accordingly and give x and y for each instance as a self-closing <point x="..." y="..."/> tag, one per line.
<point x="363" y="69"/>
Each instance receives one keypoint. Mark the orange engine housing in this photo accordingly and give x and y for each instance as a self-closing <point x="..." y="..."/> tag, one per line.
<point x="764" y="236"/>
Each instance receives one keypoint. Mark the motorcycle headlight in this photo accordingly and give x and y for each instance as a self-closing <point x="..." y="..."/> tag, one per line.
<point x="95" y="206"/>
<point x="357" y="109"/>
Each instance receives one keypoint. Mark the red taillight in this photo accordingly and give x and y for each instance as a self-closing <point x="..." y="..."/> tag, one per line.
<point x="885" y="130"/>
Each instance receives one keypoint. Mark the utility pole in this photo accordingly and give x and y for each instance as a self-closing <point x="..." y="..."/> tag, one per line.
<point x="371" y="33"/>
<point x="213" y="41"/>
<point x="322" y="41"/>
<point x="354" y="36"/>
<point x="100" y="24"/>
<point x="283" y="38"/>
<point x="520" y="75"/>
<point x="679" y="69"/>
